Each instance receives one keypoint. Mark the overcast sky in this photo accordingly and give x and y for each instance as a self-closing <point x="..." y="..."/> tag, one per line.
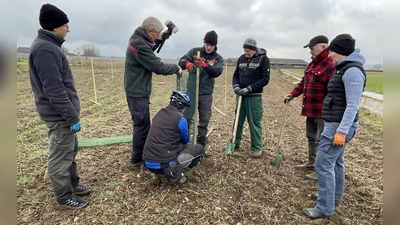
<point x="281" y="27"/>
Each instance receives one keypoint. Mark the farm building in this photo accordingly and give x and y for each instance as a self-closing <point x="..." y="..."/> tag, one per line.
<point x="276" y="62"/>
<point x="23" y="50"/>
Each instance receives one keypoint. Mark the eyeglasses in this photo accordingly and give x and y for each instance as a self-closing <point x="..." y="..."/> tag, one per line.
<point x="66" y="26"/>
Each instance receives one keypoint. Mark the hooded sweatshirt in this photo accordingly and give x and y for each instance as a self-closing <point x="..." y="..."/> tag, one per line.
<point x="253" y="72"/>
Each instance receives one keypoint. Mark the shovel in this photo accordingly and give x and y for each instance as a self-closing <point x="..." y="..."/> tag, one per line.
<point x="278" y="157"/>
<point x="231" y="146"/>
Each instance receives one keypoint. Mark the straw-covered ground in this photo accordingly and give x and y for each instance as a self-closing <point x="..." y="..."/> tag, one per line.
<point x="221" y="190"/>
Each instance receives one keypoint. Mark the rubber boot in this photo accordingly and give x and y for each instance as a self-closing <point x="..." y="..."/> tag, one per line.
<point x="312" y="176"/>
<point x="312" y="154"/>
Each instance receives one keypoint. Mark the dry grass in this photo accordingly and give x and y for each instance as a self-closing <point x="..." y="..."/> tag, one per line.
<point x="236" y="190"/>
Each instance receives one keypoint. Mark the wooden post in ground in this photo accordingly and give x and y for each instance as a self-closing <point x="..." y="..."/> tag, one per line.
<point x="226" y="81"/>
<point x="112" y="70"/>
<point x="94" y="83"/>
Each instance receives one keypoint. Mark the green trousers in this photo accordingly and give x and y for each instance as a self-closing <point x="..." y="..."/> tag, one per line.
<point x="252" y="109"/>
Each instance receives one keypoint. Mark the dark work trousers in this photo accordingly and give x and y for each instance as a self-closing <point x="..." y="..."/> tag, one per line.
<point x="140" y="113"/>
<point x="204" y="111"/>
<point x="189" y="157"/>
<point x="314" y="128"/>
<point x="63" y="147"/>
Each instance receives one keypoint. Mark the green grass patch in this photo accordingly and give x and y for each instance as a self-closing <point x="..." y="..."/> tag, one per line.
<point x="375" y="82"/>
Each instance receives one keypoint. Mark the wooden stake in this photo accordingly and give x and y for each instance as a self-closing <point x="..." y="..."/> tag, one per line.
<point x="226" y="81"/>
<point x="112" y="70"/>
<point x="197" y="102"/>
<point x="219" y="111"/>
<point x="94" y="82"/>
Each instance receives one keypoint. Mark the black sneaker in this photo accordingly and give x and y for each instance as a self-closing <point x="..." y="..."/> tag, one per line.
<point x="73" y="203"/>
<point x="81" y="190"/>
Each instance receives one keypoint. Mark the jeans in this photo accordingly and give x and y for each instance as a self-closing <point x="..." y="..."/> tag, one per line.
<point x="140" y="113"/>
<point x="204" y="109"/>
<point x="63" y="147"/>
<point x="330" y="168"/>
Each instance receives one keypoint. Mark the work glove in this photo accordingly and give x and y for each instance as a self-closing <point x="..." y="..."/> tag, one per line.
<point x="201" y="62"/>
<point x="165" y="35"/>
<point x="76" y="127"/>
<point x="245" y="91"/>
<point x="179" y="72"/>
<point x="338" y="140"/>
<point x="236" y="89"/>
<point x="287" y="98"/>
<point x="189" y="66"/>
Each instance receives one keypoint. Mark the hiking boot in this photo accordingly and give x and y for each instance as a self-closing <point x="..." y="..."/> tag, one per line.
<point x="81" y="190"/>
<point x="313" y="214"/>
<point x="311" y="176"/>
<point x="256" y="154"/>
<point x="73" y="203"/>
<point x="156" y="178"/>
<point x="314" y="195"/>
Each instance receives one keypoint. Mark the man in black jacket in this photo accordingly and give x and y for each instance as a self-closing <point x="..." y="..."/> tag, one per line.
<point x="163" y="152"/>
<point x="58" y="105"/>
<point x="250" y="77"/>
<point x="210" y="65"/>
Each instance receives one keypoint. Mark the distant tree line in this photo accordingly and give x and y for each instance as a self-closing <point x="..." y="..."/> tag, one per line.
<point x="85" y="50"/>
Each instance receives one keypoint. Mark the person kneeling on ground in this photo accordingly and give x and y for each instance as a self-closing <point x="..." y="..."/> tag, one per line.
<point x="162" y="153"/>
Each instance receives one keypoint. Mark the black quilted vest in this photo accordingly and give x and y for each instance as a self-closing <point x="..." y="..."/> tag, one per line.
<point x="335" y="103"/>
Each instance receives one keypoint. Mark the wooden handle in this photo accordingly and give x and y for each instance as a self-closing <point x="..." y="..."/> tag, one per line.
<point x="237" y="117"/>
<point x="197" y="102"/>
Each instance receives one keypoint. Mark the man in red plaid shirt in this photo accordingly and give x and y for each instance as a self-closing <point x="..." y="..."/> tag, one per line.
<point x="313" y="86"/>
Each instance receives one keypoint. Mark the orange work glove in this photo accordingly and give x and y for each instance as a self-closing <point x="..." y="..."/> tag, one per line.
<point x="189" y="66"/>
<point x="338" y="140"/>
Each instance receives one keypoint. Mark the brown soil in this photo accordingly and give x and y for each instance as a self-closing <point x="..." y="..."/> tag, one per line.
<point x="221" y="190"/>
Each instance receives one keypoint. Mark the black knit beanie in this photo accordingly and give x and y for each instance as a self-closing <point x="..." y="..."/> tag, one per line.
<point x="211" y="38"/>
<point x="51" y="17"/>
<point x="250" y="43"/>
<point x="343" y="44"/>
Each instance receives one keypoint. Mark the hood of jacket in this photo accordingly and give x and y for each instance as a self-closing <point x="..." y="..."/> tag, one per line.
<point x="355" y="56"/>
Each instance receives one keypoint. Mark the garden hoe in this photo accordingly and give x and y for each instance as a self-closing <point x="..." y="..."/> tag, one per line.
<point x="231" y="146"/>
<point x="278" y="157"/>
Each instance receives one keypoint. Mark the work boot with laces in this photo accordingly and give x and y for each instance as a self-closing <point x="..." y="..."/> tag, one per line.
<point x="81" y="190"/>
<point x="73" y="203"/>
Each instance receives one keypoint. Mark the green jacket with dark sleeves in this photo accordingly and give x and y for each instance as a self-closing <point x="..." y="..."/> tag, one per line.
<point x="140" y="63"/>
<point x="207" y="76"/>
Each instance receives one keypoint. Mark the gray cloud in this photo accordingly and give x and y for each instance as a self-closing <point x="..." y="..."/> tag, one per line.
<point x="281" y="27"/>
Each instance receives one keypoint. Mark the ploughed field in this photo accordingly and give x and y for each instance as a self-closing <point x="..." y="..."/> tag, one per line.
<point x="221" y="190"/>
